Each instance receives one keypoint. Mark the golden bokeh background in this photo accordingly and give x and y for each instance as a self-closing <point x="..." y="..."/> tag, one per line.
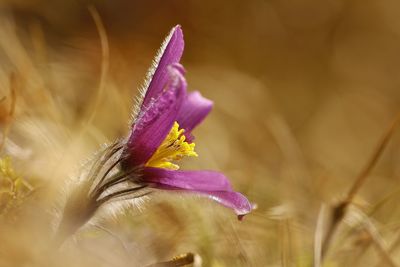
<point x="303" y="92"/>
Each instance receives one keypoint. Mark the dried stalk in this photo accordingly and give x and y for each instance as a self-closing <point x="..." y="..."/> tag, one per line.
<point x="10" y="115"/>
<point x="339" y="211"/>
<point x="105" y="59"/>
<point x="377" y="240"/>
<point x="103" y="183"/>
<point x="318" y="236"/>
<point x="182" y="260"/>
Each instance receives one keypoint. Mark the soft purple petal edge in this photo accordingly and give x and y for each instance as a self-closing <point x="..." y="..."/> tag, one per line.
<point x="155" y="121"/>
<point x="233" y="200"/>
<point x="187" y="180"/>
<point x="172" y="53"/>
<point x="194" y="109"/>
<point x="207" y="183"/>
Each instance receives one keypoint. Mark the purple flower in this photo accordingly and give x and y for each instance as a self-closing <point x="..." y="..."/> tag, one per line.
<point x="161" y="134"/>
<point x="162" y="128"/>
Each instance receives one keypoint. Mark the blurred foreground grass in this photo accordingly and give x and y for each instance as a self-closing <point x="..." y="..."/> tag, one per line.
<point x="303" y="93"/>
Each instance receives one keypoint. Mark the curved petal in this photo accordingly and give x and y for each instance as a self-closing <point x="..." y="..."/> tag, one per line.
<point x="155" y="121"/>
<point x="207" y="183"/>
<point x="234" y="200"/>
<point x="170" y="52"/>
<point x="193" y="111"/>
<point x="186" y="180"/>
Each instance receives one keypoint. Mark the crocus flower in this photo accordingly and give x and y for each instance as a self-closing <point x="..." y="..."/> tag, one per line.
<point x="161" y="132"/>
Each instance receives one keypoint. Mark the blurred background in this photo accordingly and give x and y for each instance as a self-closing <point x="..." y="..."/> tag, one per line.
<point x="303" y="91"/>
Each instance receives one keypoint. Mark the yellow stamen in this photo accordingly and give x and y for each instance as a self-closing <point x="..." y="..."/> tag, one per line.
<point x="174" y="147"/>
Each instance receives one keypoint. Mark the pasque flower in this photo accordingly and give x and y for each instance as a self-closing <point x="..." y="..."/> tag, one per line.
<point x="161" y="132"/>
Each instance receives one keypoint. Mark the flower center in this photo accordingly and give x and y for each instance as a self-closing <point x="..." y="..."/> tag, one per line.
<point x="174" y="147"/>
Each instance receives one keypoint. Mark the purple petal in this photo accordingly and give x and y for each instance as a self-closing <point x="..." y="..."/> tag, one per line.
<point x="194" y="109"/>
<point x="208" y="183"/>
<point x="171" y="52"/>
<point x="233" y="200"/>
<point x="186" y="180"/>
<point x="155" y="121"/>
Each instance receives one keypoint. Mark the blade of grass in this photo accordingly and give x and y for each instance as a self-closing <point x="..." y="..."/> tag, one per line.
<point x="181" y="260"/>
<point x="339" y="211"/>
<point x="318" y="236"/>
<point x="10" y="115"/>
<point x="105" y="59"/>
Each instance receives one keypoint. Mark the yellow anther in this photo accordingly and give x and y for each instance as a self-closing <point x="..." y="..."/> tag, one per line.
<point x="174" y="147"/>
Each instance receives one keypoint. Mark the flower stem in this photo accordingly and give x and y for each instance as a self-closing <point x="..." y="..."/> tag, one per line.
<point x="78" y="210"/>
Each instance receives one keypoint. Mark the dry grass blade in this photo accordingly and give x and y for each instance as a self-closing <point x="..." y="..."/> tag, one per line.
<point x="394" y="245"/>
<point x="373" y="160"/>
<point x="181" y="260"/>
<point x="242" y="252"/>
<point x="392" y="248"/>
<point x="339" y="210"/>
<point x="284" y="247"/>
<point x="381" y="247"/>
<point x="115" y="236"/>
<point x="383" y="201"/>
<point x="318" y="236"/>
<point x="377" y="240"/>
<point x="10" y="115"/>
<point x="105" y="55"/>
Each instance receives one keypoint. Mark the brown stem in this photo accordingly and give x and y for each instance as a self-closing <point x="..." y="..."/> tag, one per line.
<point x="78" y="210"/>
<point x="373" y="160"/>
<point x="339" y="211"/>
<point x="183" y="260"/>
<point x="337" y="216"/>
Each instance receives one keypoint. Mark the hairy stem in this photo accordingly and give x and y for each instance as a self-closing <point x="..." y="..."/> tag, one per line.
<point x="78" y="210"/>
